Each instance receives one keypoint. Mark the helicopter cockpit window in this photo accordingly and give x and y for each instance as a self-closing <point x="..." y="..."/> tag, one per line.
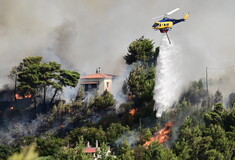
<point x="155" y="25"/>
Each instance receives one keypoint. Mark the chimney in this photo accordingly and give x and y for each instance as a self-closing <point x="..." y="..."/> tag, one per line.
<point x="88" y="144"/>
<point x="96" y="144"/>
<point x="96" y="71"/>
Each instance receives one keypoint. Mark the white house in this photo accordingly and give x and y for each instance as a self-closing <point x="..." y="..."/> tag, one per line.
<point x="97" y="82"/>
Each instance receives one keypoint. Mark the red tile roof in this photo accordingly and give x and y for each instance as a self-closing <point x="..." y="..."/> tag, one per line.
<point x="90" y="150"/>
<point x="98" y="75"/>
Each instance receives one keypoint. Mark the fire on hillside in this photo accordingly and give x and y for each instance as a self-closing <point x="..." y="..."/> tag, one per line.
<point x="20" y="97"/>
<point x="162" y="136"/>
<point x="133" y="111"/>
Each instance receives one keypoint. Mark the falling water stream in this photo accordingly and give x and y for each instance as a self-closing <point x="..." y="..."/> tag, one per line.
<point x="168" y="84"/>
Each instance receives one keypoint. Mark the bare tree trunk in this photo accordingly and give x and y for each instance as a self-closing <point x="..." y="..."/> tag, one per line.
<point x="52" y="99"/>
<point x="61" y="118"/>
<point x="35" y="106"/>
<point x="44" y="98"/>
<point x="15" y="89"/>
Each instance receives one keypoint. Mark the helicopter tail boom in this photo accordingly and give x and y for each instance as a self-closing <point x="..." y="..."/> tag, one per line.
<point x="186" y="16"/>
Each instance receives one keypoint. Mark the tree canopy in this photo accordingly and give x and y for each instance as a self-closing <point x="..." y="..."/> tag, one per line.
<point x="141" y="50"/>
<point x="35" y="77"/>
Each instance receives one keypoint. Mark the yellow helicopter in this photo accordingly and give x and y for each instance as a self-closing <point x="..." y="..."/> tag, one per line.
<point x="166" y="23"/>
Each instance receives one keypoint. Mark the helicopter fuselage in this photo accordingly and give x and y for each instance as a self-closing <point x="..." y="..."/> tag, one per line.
<point x="166" y="24"/>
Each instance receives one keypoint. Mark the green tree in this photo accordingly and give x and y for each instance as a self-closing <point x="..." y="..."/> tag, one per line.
<point x="104" y="153"/>
<point x="229" y="119"/>
<point x="103" y="101"/>
<point x="139" y="152"/>
<point x="220" y="141"/>
<point x="215" y="116"/>
<point x="76" y="153"/>
<point x="207" y="142"/>
<point x="80" y="94"/>
<point x="66" y="78"/>
<point x="35" y="78"/>
<point x="196" y="92"/>
<point x="157" y="151"/>
<point x="141" y="50"/>
<point x="28" y="77"/>
<point x="5" y="151"/>
<point x="47" y="74"/>
<point x="141" y="83"/>
<point x="213" y="155"/>
<point x="126" y="152"/>
<point x="59" y="111"/>
<point x="115" y="130"/>
<point x="90" y="134"/>
<point x="48" y="146"/>
<point x="218" y="97"/>
<point x="146" y="134"/>
<point x="189" y="141"/>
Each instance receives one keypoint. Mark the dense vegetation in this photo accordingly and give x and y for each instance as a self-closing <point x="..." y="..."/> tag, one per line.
<point x="204" y="128"/>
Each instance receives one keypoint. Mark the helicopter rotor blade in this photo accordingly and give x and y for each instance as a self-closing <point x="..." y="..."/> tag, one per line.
<point x="167" y="14"/>
<point x="158" y="16"/>
<point x="173" y="11"/>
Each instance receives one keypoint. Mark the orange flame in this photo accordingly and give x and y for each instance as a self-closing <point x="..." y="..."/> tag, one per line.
<point x="162" y="135"/>
<point x="28" y="96"/>
<point x="25" y="96"/>
<point x="133" y="111"/>
<point x="18" y="96"/>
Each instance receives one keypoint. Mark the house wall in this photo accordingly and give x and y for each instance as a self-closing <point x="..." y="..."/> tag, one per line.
<point x="102" y="83"/>
<point x="108" y="85"/>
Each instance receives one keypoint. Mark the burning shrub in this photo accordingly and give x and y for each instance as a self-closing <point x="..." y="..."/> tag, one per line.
<point x="162" y="136"/>
<point x="125" y="107"/>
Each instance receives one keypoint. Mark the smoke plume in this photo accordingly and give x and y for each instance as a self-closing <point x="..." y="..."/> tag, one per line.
<point x="88" y="33"/>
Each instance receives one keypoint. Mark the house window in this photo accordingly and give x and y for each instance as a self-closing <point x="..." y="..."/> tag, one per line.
<point x="89" y="86"/>
<point x="107" y="84"/>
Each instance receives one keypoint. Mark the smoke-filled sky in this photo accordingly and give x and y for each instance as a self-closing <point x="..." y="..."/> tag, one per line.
<point x="86" y="34"/>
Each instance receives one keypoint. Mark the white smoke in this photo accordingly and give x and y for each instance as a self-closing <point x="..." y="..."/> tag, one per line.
<point x="169" y="81"/>
<point x="119" y="96"/>
<point x="89" y="33"/>
<point x="222" y="79"/>
<point x="15" y="130"/>
<point x="132" y="137"/>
